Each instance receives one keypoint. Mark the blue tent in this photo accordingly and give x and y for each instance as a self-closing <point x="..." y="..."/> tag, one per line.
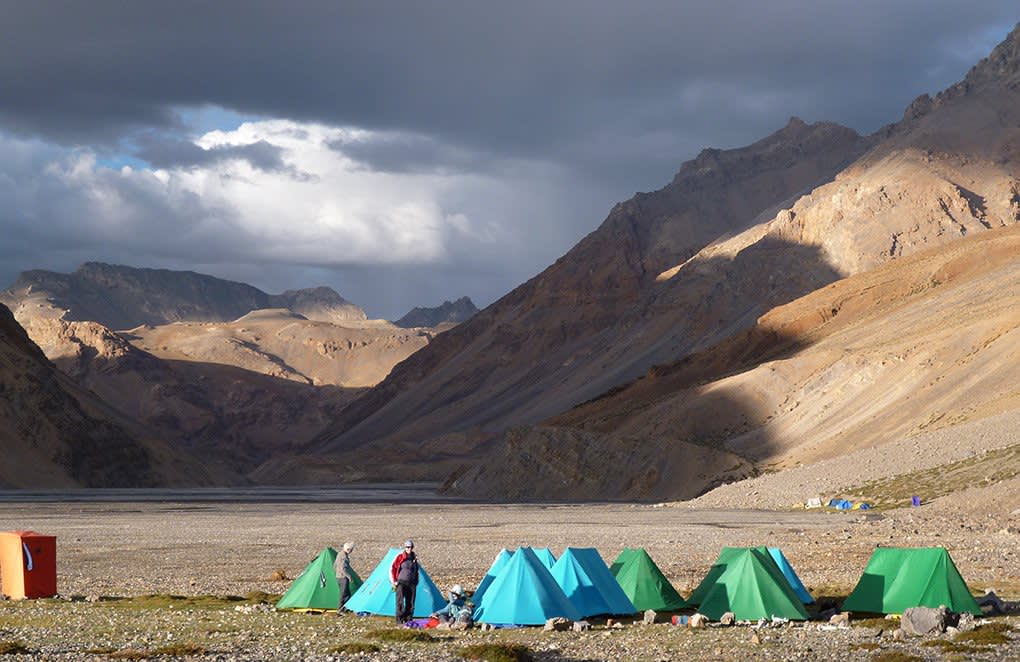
<point x="524" y="593"/>
<point x="791" y="576"/>
<point x="376" y="595"/>
<point x="587" y="582"/>
<point x="545" y="555"/>
<point x="494" y="569"/>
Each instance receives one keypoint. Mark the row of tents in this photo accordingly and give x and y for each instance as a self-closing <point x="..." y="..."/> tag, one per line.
<point x="530" y="586"/>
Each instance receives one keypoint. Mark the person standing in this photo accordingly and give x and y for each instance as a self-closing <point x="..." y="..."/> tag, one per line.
<point x="346" y="574"/>
<point x="404" y="578"/>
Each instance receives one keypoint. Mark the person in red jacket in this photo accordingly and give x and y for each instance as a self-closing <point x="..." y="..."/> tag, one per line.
<point x="404" y="578"/>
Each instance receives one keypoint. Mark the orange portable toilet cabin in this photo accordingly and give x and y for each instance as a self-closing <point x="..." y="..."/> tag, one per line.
<point x="28" y="563"/>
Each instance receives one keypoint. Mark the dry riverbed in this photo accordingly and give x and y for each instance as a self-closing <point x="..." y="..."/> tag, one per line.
<point x="111" y="553"/>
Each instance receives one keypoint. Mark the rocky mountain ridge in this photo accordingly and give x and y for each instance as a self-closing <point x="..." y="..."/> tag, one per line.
<point x="448" y="312"/>
<point x="121" y="297"/>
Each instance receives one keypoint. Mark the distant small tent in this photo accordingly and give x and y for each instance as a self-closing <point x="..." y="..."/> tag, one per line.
<point x="494" y="569"/>
<point x="585" y="579"/>
<point x="747" y="582"/>
<point x="645" y="585"/>
<point x="791" y="575"/>
<point x="545" y="555"/>
<point x="316" y="587"/>
<point x="524" y="593"/>
<point x="621" y="559"/>
<point x="898" y="578"/>
<point x="376" y="594"/>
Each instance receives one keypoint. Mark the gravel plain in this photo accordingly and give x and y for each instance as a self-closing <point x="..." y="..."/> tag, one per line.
<point x="119" y="549"/>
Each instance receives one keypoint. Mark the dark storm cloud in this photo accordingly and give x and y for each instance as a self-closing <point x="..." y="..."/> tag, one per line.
<point x="170" y="152"/>
<point x="563" y="107"/>
<point x="525" y="77"/>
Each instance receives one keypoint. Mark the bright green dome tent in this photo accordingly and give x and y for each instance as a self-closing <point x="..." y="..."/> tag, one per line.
<point x="645" y="585"/>
<point x="747" y="582"/>
<point x="621" y="559"/>
<point x="898" y="578"/>
<point x="316" y="587"/>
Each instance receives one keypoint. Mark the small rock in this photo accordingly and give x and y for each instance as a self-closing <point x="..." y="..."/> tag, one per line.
<point x="461" y="625"/>
<point x="610" y="622"/>
<point x="617" y="625"/>
<point x="487" y="626"/>
<point x="92" y="597"/>
<point x="842" y="619"/>
<point x="581" y="626"/>
<point x="698" y="621"/>
<point x="966" y="622"/>
<point x="755" y="639"/>
<point x="924" y="620"/>
<point x="952" y="632"/>
<point x="898" y="635"/>
<point x="558" y="624"/>
<point x="728" y="618"/>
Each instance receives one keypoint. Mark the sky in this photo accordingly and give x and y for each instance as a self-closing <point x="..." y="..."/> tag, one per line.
<point x="404" y="152"/>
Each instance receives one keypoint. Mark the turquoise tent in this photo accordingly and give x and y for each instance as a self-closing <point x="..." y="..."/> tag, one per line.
<point x="585" y="579"/>
<point x="494" y="569"/>
<point x="545" y="555"/>
<point x="791" y="576"/>
<point x="524" y="593"/>
<point x="316" y="587"/>
<point x="376" y="594"/>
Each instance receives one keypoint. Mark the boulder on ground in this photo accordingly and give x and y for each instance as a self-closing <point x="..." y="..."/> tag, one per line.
<point x="728" y="618"/>
<point x="924" y="620"/>
<point x="698" y="621"/>
<point x="966" y="622"/>
<point x="581" y="626"/>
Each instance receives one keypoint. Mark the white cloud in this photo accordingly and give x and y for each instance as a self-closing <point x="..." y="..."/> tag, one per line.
<point x="314" y="205"/>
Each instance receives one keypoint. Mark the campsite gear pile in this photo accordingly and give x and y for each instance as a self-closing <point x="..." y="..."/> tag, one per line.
<point x="751" y="584"/>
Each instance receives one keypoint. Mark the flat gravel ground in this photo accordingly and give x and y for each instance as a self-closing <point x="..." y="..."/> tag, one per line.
<point x="192" y="548"/>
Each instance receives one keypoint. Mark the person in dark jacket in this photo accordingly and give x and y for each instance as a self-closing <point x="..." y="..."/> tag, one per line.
<point x="404" y="578"/>
<point x="345" y="575"/>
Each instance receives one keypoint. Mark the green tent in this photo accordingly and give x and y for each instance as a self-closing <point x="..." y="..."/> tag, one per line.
<point x="645" y="584"/>
<point x="898" y="578"/>
<point x="316" y="587"/>
<point x="621" y="559"/>
<point x="747" y="582"/>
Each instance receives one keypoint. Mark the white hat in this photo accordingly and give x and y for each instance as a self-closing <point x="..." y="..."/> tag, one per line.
<point x="457" y="589"/>
<point x="348" y="547"/>
<point x="408" y="543"/>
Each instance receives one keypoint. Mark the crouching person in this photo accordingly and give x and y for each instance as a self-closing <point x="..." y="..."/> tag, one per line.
<point x="457" y="612"/>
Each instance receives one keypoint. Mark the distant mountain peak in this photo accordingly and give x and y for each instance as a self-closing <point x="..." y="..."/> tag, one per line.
<point x="456" y="312"/>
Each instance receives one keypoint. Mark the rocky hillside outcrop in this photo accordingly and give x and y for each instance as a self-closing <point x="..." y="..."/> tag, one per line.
<point x="121" y="297"/>
<point x="235" y="419"/>
<point x="917" y="345"/>
<point x="56" y="434"/>
<point x="454" y="312"/>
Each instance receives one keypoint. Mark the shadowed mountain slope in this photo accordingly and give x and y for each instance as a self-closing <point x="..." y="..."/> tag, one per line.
<point x="919" y="344"/>
<point x="676" y="272"/>
<point x="594" y="319"/>
<point x="56" y="434"/>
